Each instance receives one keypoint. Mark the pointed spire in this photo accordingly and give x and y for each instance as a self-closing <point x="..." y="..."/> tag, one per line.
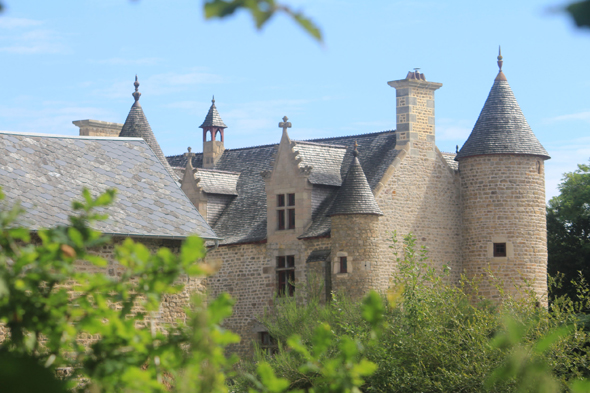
<point x="213" y="119"/>
<point x="137" y="126"/>
<point x="355" y="195"/>
<point x="501" y="127"/>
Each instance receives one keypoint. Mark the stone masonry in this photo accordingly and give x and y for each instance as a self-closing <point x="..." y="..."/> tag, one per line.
<point x="504" y="202"/>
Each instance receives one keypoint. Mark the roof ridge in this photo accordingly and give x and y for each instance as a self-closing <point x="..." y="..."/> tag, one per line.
<point x="117" y="138"/>
<point x="305" y="142"/>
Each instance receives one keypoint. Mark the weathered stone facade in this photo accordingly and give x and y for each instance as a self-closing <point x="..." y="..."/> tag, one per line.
<point x="503" y="201"/>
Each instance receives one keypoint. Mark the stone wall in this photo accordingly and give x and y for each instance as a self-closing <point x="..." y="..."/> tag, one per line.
<point x="504" y="202"/>
<point x="421" y="195"/>
<point x="356" y="237"/>
<point x="172" y="308"/>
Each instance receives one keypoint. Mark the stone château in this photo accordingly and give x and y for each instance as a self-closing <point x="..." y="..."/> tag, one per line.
<point x="277" y="214"/>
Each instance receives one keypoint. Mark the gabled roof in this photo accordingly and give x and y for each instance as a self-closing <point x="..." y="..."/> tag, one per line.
<point x="501" y="127"/>
<point x="137" y="126"/>
<point x="355" y="195"/>
<point x="47" y="172"/>
<point x="215" y="182"/>
<point x="213" y="119"/>
<point x="244" y="219"/>
<point x="325" y="160"/>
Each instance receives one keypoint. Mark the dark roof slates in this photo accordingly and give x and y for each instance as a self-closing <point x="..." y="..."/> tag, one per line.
<point x="501" y="127"/>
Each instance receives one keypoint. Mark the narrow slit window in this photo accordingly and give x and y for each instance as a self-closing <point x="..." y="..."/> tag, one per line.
<point x="281" y="219"/>
<point x="499" y="249"/>
<point x="343" y="265"/>
<point x="291" y="218"/>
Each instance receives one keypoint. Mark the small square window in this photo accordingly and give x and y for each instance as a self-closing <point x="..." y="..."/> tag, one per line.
<point x="267" y="343"/>
<point x="343" y="265"/>
<point x="499" y="250"/>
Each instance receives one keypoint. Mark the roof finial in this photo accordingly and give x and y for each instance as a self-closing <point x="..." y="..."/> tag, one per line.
<point x="355" y="152"/>
<point x="285" y="124"/>
<point x="213" y="99"/>
<point x="136" y="94"/>
<point x="500" y="62"/>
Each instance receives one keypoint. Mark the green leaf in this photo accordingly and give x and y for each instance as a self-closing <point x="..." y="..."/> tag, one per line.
<point x="192" y="250"/>
<point x="580" y="12"/>
<point x="20" y="233"/>
<point x="308" y="26"/>
<point x="76" y="236"/>
<point x="269" y="379"/>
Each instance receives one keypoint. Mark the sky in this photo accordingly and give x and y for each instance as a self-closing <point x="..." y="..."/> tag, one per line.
<point x="73" y="60"/>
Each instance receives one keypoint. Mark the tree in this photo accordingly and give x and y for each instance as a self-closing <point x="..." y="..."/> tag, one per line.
<point x="568" y="229"/>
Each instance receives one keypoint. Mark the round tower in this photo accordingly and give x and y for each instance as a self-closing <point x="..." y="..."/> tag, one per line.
<point x="354" y="234"/>
<point x="501" y="167"/>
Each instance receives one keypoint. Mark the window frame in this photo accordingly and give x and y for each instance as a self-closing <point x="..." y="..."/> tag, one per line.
<point x="499" y="250"/>
<point x="286" y="216"/>
<point x="285" y="275"/>
<point x="343" y="268"/>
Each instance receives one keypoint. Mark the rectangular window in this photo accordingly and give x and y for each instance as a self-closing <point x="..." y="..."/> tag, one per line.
<point x="285" y="217"/>
<point x="499" y="249"/>
<point x="281" y="219"/>
<point x="267" y="343"/>
<point x="343" y="265"/>
<point x="291" y="218"/>
<point x="286" y="275"/>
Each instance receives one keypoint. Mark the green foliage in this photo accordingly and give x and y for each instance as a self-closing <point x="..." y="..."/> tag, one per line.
<point x="261" y="11"/>
<point x="568" y="227"/>
<point x="580" y="12"/>
<point x="93" y="329"/>
<point x="427" y="335"/>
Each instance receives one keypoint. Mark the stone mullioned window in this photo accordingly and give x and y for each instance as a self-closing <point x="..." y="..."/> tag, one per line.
<point x="286" y="275"/>
<point x="285" y="211"/>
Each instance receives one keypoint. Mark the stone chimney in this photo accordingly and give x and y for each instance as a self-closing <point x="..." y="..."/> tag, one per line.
<point x="415" y="111"/>
<point x="98" y="128"/>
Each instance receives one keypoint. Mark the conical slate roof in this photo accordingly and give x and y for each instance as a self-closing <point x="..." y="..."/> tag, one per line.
<point x="137" y="126"/>
<point x="213" y="119"/>
<point x="355" y="195"/>
<point x="501" y="127"/>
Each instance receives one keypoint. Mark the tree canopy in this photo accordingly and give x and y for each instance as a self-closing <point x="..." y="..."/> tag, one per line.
<point x="568" y="229"/>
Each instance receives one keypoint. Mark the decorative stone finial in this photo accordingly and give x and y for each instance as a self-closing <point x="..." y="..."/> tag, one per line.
<point x="213" y="99"/>
<point x="136" y="94"/>
<point x="501" y="76"/>
<point x="355" y="152"/>
<point x="189" y="158"/>
<point x="189" y="149"/>
<point x="285" y="124"/>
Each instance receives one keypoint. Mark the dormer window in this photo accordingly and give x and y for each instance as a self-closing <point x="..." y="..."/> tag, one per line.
<point x="286" y="211"/>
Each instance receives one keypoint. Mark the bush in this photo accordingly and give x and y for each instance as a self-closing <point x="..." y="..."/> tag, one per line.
<point x="438" y="337"/>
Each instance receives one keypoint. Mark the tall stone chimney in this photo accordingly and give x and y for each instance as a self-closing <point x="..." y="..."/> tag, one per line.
<point x="415" y="112"/>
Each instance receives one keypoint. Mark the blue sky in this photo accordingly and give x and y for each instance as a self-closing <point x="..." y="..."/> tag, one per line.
<point x="74" y="60"/>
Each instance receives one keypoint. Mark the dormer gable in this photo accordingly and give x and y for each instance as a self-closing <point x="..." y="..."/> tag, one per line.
<point x="288" y="191"/>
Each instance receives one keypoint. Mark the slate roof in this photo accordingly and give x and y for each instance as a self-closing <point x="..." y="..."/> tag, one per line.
<point x="501" y="127"/>
<point x="213" y="119"/>
<point x="46" y="172"/>
<point x="244" y="219"/>
<point x="215" y="182"/>
<point x="355" y="195"/>
<point x="137" y="126"/>
<point x="326" y="161"/>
